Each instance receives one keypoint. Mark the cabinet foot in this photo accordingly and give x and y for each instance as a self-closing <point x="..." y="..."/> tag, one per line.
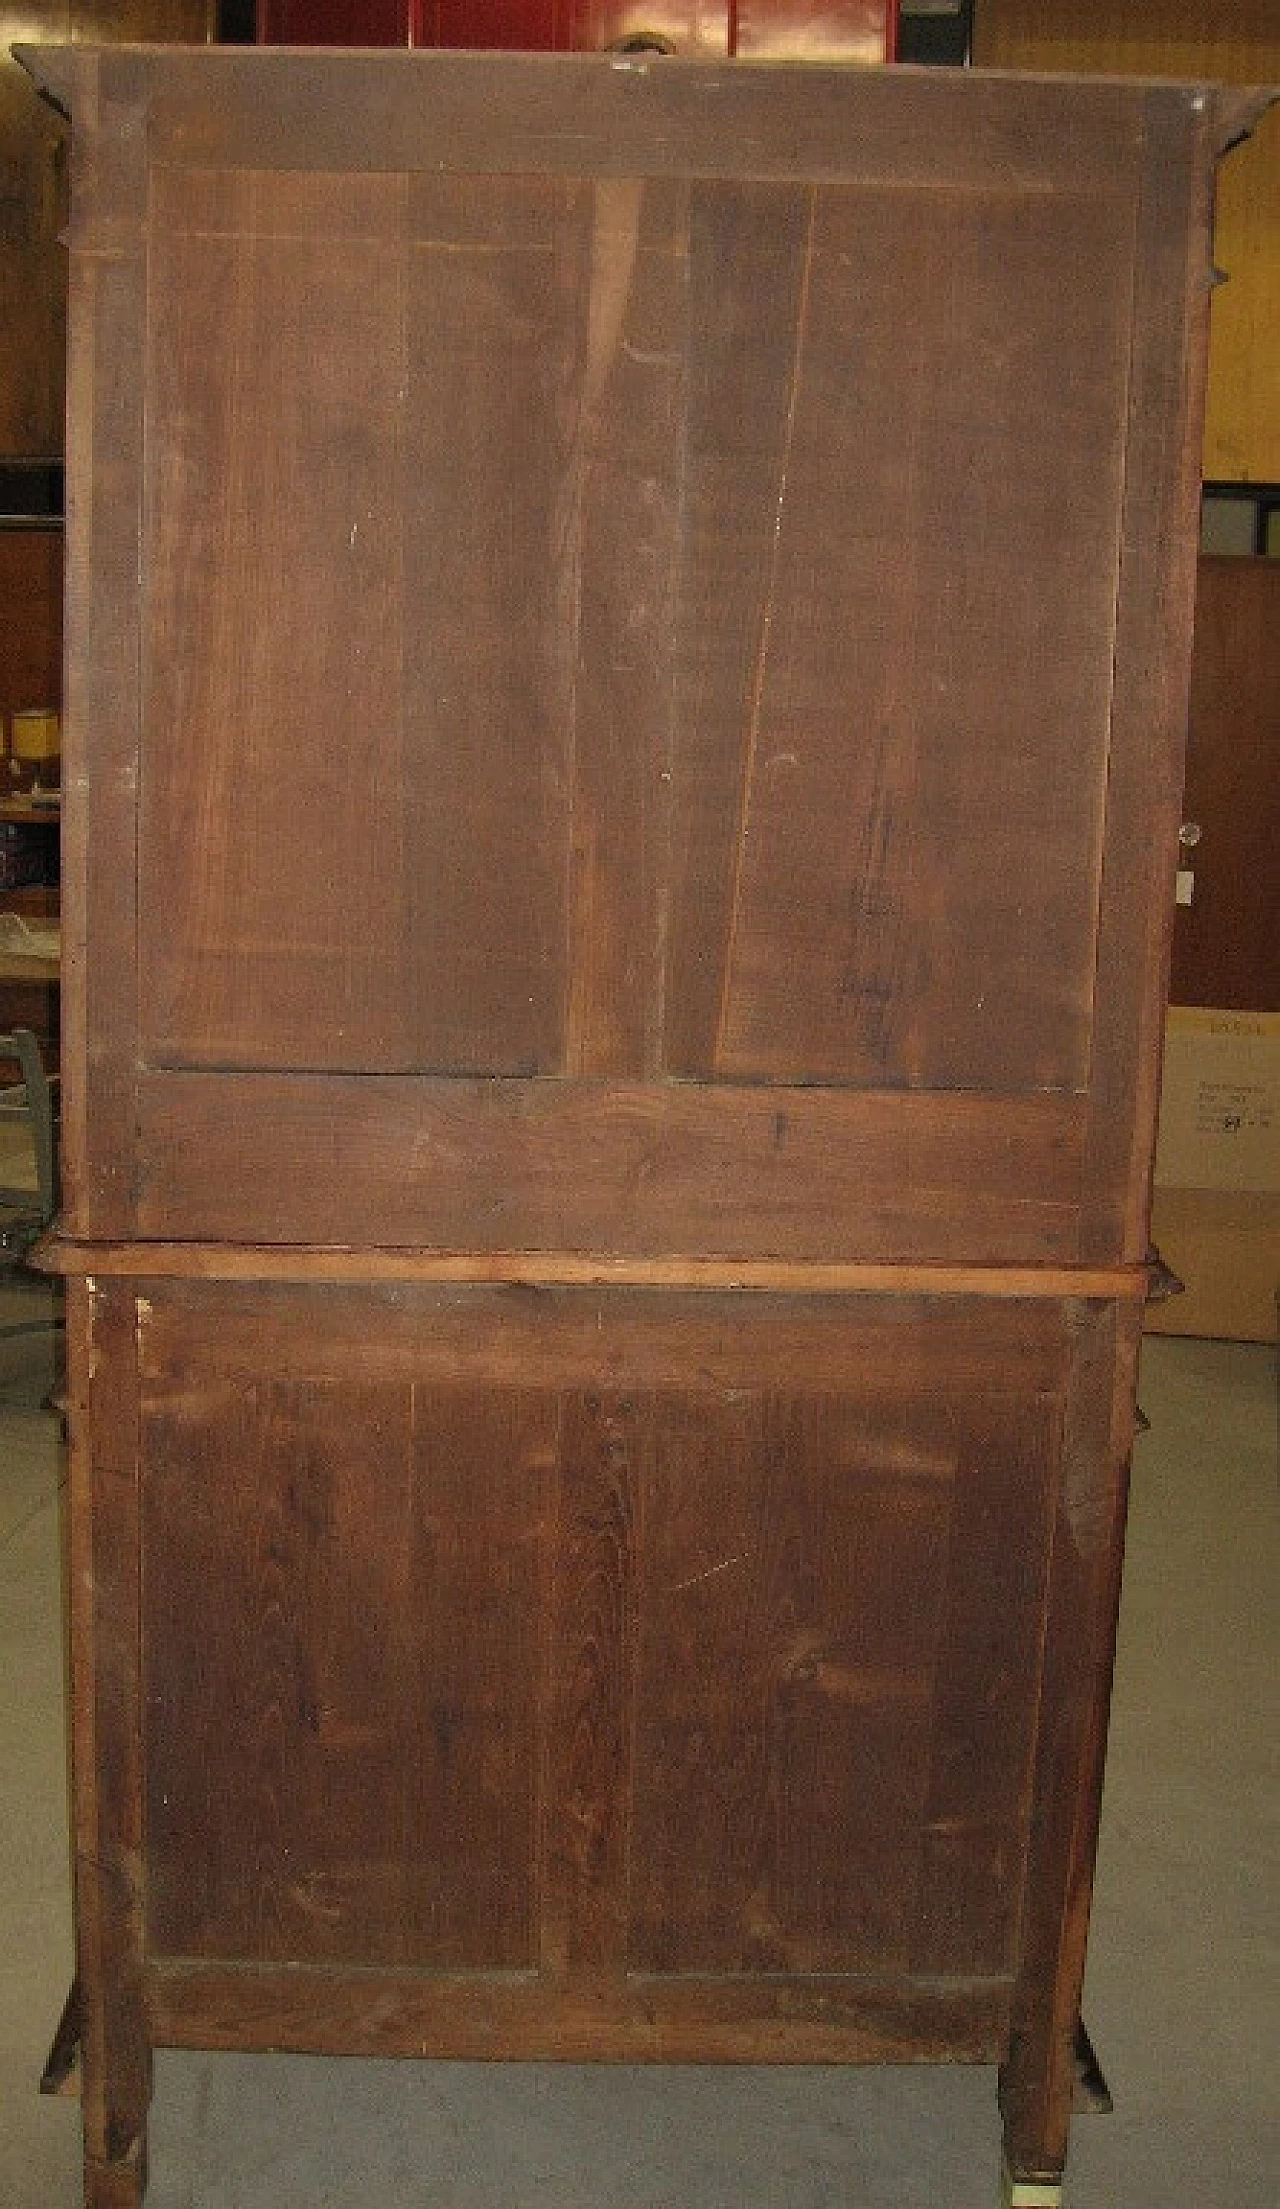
<point x="115" y="2185"/>
<point x="1029" y="2193"/>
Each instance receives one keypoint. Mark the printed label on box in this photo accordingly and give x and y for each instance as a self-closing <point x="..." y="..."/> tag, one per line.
<point x="1220" y="1101"/>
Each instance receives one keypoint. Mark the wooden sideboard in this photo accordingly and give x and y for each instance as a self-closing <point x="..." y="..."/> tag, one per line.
<point x="628" y="650"/>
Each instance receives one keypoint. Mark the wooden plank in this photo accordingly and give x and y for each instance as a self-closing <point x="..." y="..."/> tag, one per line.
<point x="279" y="1670"/>
<point x="619" y="516"/>
<point x="581" y="1269"/>
<point x="575" y="1339"/>
<point x="614" y="1167"/>
<point x="1080" y="1610"/>
<point x="101" y="703"/>
<point x="105" y="1632"/>
<point x="590" y="1657"/>
<point x="1156" y="589"/>
<point x="921" y="811"/>
<point x="746" y="261"/>
<point x="272" y="838"/>
<point x="483" y="1474"/>
<point x="478" y="2017"/>
<point x="615" y="116"/>
<point x="973" y="1872"/>
<point x="794" y="1563"/>
<point x="353" y="1564"/>
<point x="488" y="665"/>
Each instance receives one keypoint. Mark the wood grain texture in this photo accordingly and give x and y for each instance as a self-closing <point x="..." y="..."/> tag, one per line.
<point x="105" y="1631"/>
<point x="56" y="1254"/>
<point x="340" y="1673"/>
<point x="675" y="733"/>
<point x="489" y="659"/>
<point x="590" y="1647"/>
<point x="620" y="521"/>
<point x="747" y="251"/>
<point x="1037" y="2079"/>
<point x="620" y="1168"/>
<point x="778" y="2020"/>
<point x="786" y="1675"/>
<point x="714" y="548"/>
<point x="920" y="818"/>
<point x="615" y="116"/>
<point x="102" y="697"/>
<point x="596" y="1636"/>
<point x="260" y="310"/>
<point x="888" y="1348"/>
<point x="820" y="1579"/>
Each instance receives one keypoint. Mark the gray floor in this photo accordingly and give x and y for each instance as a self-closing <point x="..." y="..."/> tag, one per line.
<point x="1183" y="1989"/>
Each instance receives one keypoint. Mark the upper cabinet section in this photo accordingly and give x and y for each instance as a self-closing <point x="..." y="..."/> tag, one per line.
<point x="637" y="573"/>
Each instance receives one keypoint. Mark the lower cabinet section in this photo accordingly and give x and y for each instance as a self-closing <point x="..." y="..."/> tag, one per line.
<point x="619" y="1673"/>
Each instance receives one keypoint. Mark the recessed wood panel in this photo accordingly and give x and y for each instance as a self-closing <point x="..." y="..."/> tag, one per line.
<point x="925" y="756"/>
<point x="339" y="1671"/>
<point x="707" y="652"/>
<point x="273" y="871"/>
<point x="698" y="1669"/>
<point x="812" y="1687"/>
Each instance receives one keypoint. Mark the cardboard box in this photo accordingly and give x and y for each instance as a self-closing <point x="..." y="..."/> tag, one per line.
<point x="1216" y="1205"/>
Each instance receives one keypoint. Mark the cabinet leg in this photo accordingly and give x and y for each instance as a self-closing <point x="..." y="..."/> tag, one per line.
<point x="116" y="2185"/>
<point x="1029" y="2193"/>
<point x="115" y="2043"/>
<point x="1035" y="2104"/>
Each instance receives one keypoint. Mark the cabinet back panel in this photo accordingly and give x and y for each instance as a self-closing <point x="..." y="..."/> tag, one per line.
<point x="629" y="626"/>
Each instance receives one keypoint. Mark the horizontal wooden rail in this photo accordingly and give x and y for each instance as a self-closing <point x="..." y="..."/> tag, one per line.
<point x="201" y="1261"/>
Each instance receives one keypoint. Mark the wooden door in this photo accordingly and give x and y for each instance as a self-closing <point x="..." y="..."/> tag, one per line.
<point x="1226" y="943"/>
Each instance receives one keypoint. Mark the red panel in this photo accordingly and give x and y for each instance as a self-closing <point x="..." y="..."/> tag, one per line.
<point x="333" y="22"/>
<point x="854" y="30"/>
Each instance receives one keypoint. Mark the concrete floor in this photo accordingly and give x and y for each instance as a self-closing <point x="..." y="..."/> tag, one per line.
<point x="1183" y="1994"/>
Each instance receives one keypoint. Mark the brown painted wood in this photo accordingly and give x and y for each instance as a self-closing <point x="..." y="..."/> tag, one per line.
<point x="626" y="633"/>
<point x="1226" y="943"/>
<point x="30" y="620"/>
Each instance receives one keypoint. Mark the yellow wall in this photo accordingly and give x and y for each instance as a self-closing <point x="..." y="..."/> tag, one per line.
<point x="1238" y="41"/>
